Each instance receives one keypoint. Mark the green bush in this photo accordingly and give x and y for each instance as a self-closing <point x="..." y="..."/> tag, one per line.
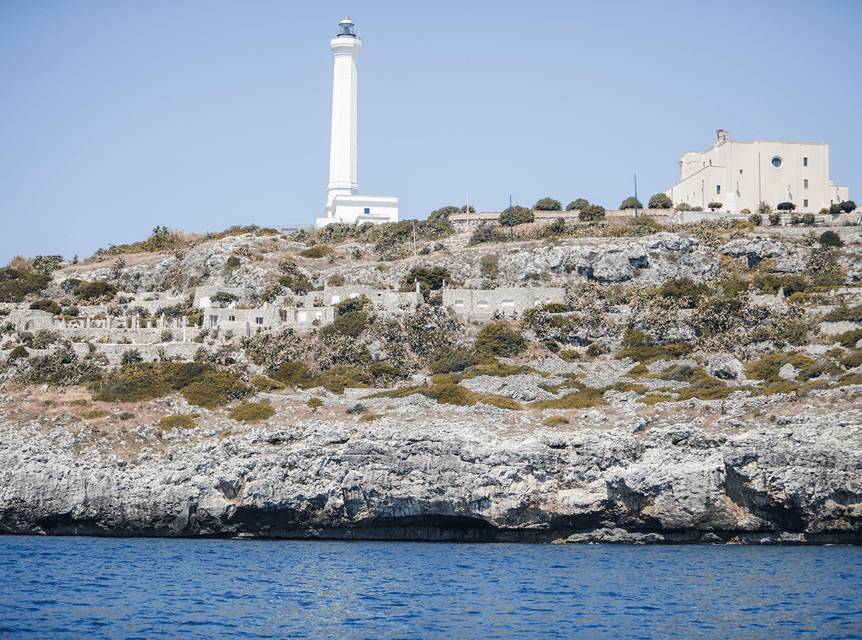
<point x="452" y="360"/>
<point x="660" y="201"/>
<point x="176" y="421"/>
<point x="47" y="305"/>
<point x="519" y="215"/>
<point x="786" y="206"/>
<point x="683" y="291"/>
<point x="223" y="298"/>
<point x="584" y="398"/>
<point x="485" y="234"/>
<point x="385" y="370"/>
<point x="848" y="339"/>
<point x="630" y="203"/>
<point x="429" y="280"/>
<point x="18" y="352"/>
<point x="314" y="403"/>
<point x="548" y="204"/>
<point x="317" y="251"/>
<point x="61" y="368"/>
<point x="831" y="239"/>
<point x="808" y="219"/>
<point x="293" y="374"/>
<point x="823" y="269"/>
<point x="267" y="384"/>
<point x="641" y="347"/>
<point x="848" y="207"/>
<point x="131" y="356"/>
<point x="774" y="218"/>
<point x="555" y="421"/>
<point x="767" y="368"/>
<point x="844" y="314"/>
<point x="497" y="339"/>
<point x="340" y="378"/>
<point x="89" y="291"/>
<point x="852" y="361"/>
<point x="715" y="205"/>
<point x="232" y="263"/>
<point x="577" y="205"/>
<point x="591" y="213"/>
<point x="350" y="324"/>
<point x="252" y="412"/>
<point x="488" y="266"/>
<point x="15" y="285"/>
<point x="445" y="391"/>
<point x="214" y="388"/>
<point x="94" y="414"/>
<point x="756" y="219"/>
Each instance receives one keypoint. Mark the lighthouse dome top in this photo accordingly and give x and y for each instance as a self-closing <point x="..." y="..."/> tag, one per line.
<point x="345" y="29"/>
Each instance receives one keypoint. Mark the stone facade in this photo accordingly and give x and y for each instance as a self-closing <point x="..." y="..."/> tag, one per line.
<point x="481" y="305"/>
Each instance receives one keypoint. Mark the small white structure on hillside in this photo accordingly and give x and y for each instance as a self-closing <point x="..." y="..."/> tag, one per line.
<point x="740" y="174"/>
<point x="344" y="204"/>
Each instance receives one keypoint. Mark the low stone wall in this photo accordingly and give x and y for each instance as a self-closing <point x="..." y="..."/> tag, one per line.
<point x="480" y="305"/>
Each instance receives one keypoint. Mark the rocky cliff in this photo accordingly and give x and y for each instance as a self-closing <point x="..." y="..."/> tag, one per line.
<point x="465" y="474"/>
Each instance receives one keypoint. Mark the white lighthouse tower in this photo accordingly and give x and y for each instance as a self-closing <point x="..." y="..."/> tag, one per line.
<point x="343" y="203"/>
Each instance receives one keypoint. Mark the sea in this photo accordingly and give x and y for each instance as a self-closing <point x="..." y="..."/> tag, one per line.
<point x="79" y="587"/>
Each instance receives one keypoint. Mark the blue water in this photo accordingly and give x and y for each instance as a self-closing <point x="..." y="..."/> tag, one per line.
<point x="143" y="588"/>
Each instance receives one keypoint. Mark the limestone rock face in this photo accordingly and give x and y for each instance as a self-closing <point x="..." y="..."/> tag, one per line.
<point x="444" y="479"/>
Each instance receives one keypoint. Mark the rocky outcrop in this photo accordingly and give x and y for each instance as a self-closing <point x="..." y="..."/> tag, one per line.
<point x="445" y="479"/>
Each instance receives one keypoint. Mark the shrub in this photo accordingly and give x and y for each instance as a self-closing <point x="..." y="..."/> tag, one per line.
<point x="452" y="360"/>
<point x="252" y="412"/>
<point x="445" y="391"/>
<point x="125" y="415"/>
<point x="429" y="280"/>
<point x="60" y="368"/>
<point x="15" y="284"/>
<point x="555" y="421"/>
<point x="176" y="421"/>
<point x="570" y="355"/>
<point x="497" y="339"/>
<point x="167" y="336"/>
<point x="848" y="206"/>
<point x="848" y="339"/>
<point x="317" y="251"/>
<point x="18" y="352"/>
<point x="385" y="371"/>
<point x="371" y="417"/>
<point x="767" y="368"/>
<point x="852" y="361"/>
<point x="822" y="268"/>
<point x="314" y="403"/>
<point x="640" y="346"/>
<point x="595" y="350"/>
<point x="764" y="208"/>
<point x="46" y="305"/>
<point x="756" y="219"/>
<point x="715" y="205"/>
<point x="577" y="205"/>
<point x="214" y="388"/>
<point x="339" y="378"/>
<point x="844" y="314"/>
<point x="487" y="233"/>
<point x="223" y="298"/>
<point x="683" y="291"/>
<point x="232" y="263"/>
<point x="808" y="219"/>
<point x="267" y="384"/>
<point x="488" y="266"/>
<point x="660" y="201"/>
<point x="591" y="213"/>
<point x="746" y="212"/>
<point x="630" y="203"/>
<point x="548" y="204"/>
<point x="786" y="206"/>
<point x="584" y="398"/>
<point x="774" y="218"/>
<point x="831" y="239"/>
<point x="350" y="324"/>
<point x="89" y="291"/>
<point x="131" y="356"/>
<point x="293" y="374"/>
<point x="519" y="215"/>
<point x="94" y="414"/>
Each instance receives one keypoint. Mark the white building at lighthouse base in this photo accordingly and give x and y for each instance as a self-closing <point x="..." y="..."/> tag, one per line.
<point x="356" y="209"/>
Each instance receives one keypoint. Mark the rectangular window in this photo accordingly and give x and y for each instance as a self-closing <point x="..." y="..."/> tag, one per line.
<point x="508" y="303"/>
<point x="231" y="318"/>
<point x="804" y="162"/>
<point x="740" y="171"/>
<point x="805" y="184"/>
<point x="367" y="210"/>
<point x="213" y="321"/>
<point x="718" y="188"/>
<point x="259" y="320"/>
<point x="805" y="203"/>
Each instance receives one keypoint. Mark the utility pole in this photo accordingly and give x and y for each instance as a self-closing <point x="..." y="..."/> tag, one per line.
<point x="511" y="222"/>
<point x="414" y="237"/>
<point x="636" y="196"/>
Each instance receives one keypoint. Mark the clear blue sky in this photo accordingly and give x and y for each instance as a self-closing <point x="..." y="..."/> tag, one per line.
<point x="116" y="117"/>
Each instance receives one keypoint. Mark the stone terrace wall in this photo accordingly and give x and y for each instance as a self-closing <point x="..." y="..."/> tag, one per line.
<point x="480" y="305"/>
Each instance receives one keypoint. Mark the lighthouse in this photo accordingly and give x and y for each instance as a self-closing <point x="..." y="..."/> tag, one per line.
<point x="343" y="202"/>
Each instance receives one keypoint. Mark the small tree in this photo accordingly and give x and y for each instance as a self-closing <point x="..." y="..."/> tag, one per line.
<point x="774" y="218"/>
<point x="577" y="205"/>
<point x="548" y="204"/>
<point x="764" y="208"/>
<point x="848" y="206"/>
<point x="831" y="239"/>
<point x="592" y="213"/>
<point x="660" y="201"/>
<point x="786" y="206"/>
<point x="715" y="205"/>
<point x="630" y="203"/>
<point x="808" y="219"/>
<point x="756" y="219"/>
<point x="520" y="215"/>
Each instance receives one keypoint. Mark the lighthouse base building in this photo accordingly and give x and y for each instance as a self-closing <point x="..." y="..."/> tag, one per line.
<point x="343" y="203"/>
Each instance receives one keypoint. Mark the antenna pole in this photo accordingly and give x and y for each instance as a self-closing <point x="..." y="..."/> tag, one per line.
<point x="414" y="237"/>
<point x="636" y="195"/>
<point x="511" y="222"/>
